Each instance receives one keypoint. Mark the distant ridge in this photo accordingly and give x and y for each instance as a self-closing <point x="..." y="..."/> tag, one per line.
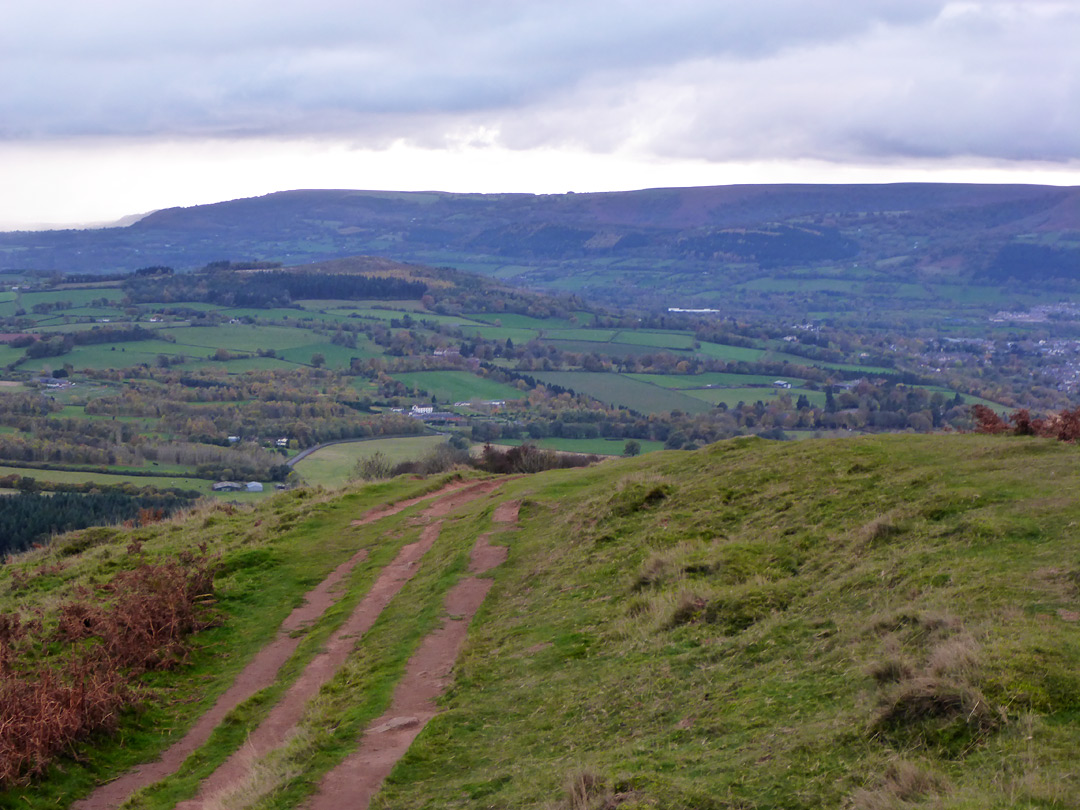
<point x="595" y="243"/>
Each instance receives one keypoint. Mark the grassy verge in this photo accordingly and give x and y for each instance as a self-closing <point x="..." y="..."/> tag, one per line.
<point x="880" y="622"/>
<point x="271" y="556"/>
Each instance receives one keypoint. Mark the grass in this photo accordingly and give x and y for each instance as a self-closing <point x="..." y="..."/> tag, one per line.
<point x="700" y="630"/>
<point x="716" y="378"/>
<point x="271" y="556"/>
<point x="876" y="622"/>
<point x="458" y="386"/>
<point x="619" y="389"/>
<point x="600" y="447"/>
<point x="243" y="338"/>
<point x="335" y="465"/>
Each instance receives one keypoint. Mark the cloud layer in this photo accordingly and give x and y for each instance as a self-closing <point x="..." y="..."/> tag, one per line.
<point x="858" y="80"/>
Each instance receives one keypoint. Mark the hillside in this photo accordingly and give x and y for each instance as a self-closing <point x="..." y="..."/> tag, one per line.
<point x="879" y="622"/>
<point x="834" y="250"/>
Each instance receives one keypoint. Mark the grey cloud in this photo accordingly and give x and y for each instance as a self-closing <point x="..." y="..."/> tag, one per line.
<point x="826" y="79"/>
<point x="201" y="67"/>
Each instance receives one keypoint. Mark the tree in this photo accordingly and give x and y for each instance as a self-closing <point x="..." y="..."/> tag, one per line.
<point x="631" y="448"/>
<point x="318" y="359"/>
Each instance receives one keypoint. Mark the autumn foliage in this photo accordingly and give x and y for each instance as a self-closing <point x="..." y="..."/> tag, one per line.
<point x="1063" y="426"/>
<point x="62" y="683"/>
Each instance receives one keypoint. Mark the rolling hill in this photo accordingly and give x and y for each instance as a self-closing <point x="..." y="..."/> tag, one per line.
<point x="685" y="245"/>
<point x="878" y="622"/>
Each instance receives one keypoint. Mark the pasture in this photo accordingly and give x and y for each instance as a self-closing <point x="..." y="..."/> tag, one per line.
<point x="621" y="390"/>
<point x="457" y="386"/>
<point x="335" y="464"/>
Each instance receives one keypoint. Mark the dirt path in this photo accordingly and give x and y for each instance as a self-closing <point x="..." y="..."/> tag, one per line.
<point x="427" y="675"/>
<point x="379" y="512"/>
<point x="282" y="719"/>
<point x="259" y="673"/>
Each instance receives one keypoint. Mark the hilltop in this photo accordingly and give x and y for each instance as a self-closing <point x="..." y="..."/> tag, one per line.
<point x="858" y="252"/>
<point x="887" y="621"/>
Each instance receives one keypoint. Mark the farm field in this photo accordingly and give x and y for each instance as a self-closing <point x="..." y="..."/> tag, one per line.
<point x="458" y="386"/>
<point x="67" y="477"/>
<point x="618" y="389"/>
<point x="718" y="378"/>
<point x="335" y="464"/>
<point x="733" y="396"/>
<point x="598" y="447"/>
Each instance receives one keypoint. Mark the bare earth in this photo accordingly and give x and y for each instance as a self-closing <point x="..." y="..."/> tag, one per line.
<point x="282" y="720"/>
<point x="359" y="777"/>
<point x="273" y="731"/>
<point x="262" y="670"/>
<point x="260" y="673"/>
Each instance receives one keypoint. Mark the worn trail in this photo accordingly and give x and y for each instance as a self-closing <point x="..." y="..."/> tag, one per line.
<point x="427" y="675"/>
<point x="259" y="673"/>
<point x="281" y="721"/>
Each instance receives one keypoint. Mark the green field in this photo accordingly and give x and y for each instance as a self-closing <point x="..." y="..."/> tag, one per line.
<point x="661" y="340"/>
<point x="66" y="477"/>
<point x="337" y="357"/>
<point x="335" y="464"/>
<point x="242" y="337"/>
<point x="599" y="447"/>
<point x="718" y="378"/>
<point x="721" y="351"/>
<point x="458" y="386"/>
<point x="733" y="396"/>
<point x="621" y="390"/>
<point x="76" y="297"/>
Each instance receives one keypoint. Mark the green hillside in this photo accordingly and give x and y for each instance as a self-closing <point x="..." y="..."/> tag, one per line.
<point x="880" y="622"/>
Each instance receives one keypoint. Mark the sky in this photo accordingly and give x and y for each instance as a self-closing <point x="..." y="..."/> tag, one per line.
<point x="116" y="108"/>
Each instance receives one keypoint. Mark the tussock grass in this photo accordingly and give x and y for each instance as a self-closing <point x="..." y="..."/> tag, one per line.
<point x="853" y="624"/>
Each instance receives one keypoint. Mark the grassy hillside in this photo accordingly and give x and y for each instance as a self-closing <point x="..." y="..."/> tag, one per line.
<point x="882" y="622"/>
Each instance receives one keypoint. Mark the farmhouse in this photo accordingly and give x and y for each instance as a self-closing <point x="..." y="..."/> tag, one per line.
<point x="227" y="486"/>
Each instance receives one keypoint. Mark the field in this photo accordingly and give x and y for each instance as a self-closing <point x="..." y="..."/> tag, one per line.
<point x="618" y="389"/>
<point x="599" y="447"/>
<point x="458" y="386"/>
<point x="335" y="465"/>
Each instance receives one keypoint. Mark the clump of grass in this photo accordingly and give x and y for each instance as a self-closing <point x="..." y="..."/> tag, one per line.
<point x="902" y="784"/>
<point x="938" y="713"/>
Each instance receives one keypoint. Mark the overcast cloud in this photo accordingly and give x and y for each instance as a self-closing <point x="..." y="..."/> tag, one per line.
<point x="720" y="80"/>
<point x="844" y="81"/>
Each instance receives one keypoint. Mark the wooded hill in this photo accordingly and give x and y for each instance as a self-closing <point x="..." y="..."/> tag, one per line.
<point x="881" y="622"/>
<point x="692" y="246"/>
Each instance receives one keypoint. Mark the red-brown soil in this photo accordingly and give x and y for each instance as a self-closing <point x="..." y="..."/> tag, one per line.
<point x="352" y="783"/>
<point x="274" y="730"/>
<point x="284" y="716"/>
<point x="262" y="670"/>
<point x="380" y="512"/>
<point x="258" y="674"/>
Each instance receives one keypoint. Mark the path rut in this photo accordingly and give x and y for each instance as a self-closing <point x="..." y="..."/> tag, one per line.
<point x="358" y="778"/>
<point x="259" y="673"/>
<point x="282" y="719"/>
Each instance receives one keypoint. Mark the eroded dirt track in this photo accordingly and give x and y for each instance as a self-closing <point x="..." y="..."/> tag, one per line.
<point x="273" y="731"/>
<point x="260" y="673"/>
<point x="263" y="669"/>
<point x="428" y="673"/>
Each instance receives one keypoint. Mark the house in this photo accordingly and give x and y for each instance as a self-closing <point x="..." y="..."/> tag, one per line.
<point x="227" y="486"/>
<point x="781" y="384"/>
<point x="282" y="442"/>
<point x="254" y="486"/>
<point x="234" y="439"/>
<point x="420" y="410"/>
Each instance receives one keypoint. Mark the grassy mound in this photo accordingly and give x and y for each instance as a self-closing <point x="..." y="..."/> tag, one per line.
<point x="870" y="623"/>
<point x="884" y="622"/>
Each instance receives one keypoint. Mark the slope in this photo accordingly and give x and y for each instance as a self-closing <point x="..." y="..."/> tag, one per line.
<point x="880" y="622"/>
